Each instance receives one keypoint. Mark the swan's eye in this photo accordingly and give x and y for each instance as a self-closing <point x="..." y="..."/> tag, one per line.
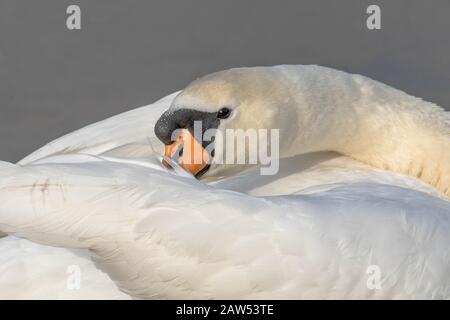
<point x="223" y="113"/>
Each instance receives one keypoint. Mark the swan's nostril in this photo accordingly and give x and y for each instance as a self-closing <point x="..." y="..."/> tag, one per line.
<point x="180" y="152"/>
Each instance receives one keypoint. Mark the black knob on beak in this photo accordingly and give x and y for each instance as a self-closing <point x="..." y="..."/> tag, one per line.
<point x="183" y="119"/>
<point x="165" y="125"/>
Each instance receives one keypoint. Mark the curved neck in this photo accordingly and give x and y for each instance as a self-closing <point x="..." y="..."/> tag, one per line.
<point x="418" y="146"/>
<point x="375" y="124"/>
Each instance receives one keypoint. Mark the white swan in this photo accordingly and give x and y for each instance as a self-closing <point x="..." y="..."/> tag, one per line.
<point x="316" y="228"/>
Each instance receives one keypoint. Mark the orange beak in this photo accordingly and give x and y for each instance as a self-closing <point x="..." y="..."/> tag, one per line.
<point x="194" y="157"/>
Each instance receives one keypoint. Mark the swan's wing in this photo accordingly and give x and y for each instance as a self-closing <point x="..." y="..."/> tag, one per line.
<point x="127" y="134"/>
<point x="159" y="235"/>
<point x="32" y="271"/>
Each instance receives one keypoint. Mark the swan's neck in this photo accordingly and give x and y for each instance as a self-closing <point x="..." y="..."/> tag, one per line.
<point x="412" y="140"/>
<point x="421" y="151"/>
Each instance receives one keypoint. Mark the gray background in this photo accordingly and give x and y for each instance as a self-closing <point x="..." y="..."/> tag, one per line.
<point x="130" y="53"/>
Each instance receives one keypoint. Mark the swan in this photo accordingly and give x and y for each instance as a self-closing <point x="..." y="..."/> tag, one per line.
<point x="361" y="193"/>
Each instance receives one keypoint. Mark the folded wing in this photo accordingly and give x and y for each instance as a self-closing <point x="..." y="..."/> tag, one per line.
<point x="158" y="235"/>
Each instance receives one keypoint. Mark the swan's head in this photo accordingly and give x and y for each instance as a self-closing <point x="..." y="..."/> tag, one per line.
<point x="213" y="112"/>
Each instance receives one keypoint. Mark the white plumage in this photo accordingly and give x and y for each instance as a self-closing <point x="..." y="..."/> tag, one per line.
<point x="314" y="230"/>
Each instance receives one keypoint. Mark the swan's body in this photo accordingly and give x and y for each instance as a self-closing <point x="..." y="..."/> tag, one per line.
<point x="312" y="231"/>
<point x="32" y="271"/>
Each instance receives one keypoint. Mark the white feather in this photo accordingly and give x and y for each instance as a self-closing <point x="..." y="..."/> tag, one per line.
<point x="311" y="231"/>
